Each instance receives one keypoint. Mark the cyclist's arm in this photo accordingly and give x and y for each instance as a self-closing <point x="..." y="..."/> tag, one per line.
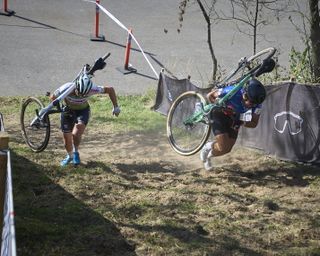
<point x="52" y="97"/>
<point x="213" y="95"/>
<point x="254" y="121"/>
<point x="113" y="97"/>
<point x="254" y="118"/>
<point x="112" y="94"/>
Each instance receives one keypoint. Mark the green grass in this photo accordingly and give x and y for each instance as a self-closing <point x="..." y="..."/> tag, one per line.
<point x="135" y="114"/>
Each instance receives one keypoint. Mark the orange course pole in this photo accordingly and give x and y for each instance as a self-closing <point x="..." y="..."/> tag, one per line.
<point x="5" y="10"/>
<point x="127" y="53"/>
<point x="96" y="36"/>
<point x="5" y="5"/>
<point x="97" y="18"/>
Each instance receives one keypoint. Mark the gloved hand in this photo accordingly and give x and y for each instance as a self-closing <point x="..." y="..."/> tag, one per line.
<point x="116" y="111"/>
<point x="98" y="65"/>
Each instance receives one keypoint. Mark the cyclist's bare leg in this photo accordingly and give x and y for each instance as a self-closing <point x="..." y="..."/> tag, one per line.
<point x="68" y="142"/>
<point x="77" y="132"/>
<point x="222" y="145"/>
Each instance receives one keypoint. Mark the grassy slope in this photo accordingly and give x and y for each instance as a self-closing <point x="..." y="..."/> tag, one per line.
<point x="252" y="205"/>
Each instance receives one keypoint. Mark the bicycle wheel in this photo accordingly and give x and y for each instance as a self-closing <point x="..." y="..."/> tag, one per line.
<point x="186" y="139"/>
<point x="37" y="135"/>
<point x="257" y="59"/>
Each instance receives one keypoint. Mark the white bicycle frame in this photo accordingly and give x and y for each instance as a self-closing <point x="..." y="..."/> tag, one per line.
<point x="54" y="103"/>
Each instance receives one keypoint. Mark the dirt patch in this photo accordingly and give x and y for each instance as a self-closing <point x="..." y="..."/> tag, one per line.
<point x="136" y="147"/>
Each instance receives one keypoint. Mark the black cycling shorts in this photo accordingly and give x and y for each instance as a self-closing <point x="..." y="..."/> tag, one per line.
<point x="71" y="117"/>
<point x="222" y="124"/>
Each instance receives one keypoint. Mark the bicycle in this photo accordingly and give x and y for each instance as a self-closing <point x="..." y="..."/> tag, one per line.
<point x="188" y="121"/>
<point x="34" y="117"/>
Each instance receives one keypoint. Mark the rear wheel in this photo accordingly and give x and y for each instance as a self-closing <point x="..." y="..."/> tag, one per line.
<point x="36" y="135"/>
<point x="256" y="60"/>
<point x="250" y="64"/>
<point x="186" y="139"/>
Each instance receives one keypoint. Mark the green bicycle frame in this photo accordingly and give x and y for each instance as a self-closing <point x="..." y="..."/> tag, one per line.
<point x="198" y="116"/>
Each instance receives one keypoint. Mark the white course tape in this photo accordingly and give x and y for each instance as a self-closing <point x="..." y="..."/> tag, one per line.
<point x="124" y="27"/>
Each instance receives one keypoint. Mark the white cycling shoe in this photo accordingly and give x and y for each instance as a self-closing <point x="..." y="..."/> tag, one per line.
<point x="208" y="165"/>
<point x="207" y="161"/>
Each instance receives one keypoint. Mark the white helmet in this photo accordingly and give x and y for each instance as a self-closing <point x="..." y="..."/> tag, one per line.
<point x="83" y="85"/>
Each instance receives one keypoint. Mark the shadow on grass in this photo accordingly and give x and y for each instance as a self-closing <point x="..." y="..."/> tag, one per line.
<point x="51" y="221"/>
<point x="294" y="175"/>
<point x="194" y="241"/>
<point x="153" y="173"/>
<point x="174" y="227"/>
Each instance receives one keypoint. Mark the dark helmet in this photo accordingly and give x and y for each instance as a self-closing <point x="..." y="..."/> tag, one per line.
<point x="255" y="91"/>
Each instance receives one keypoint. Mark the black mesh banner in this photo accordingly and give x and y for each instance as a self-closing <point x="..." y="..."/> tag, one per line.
<point x="289" y="126"/>
<point x="169" y="89"/>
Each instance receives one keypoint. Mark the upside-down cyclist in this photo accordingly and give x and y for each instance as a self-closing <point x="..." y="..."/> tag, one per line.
<point x="76" y="113"/>
<point x="227" y="121"/>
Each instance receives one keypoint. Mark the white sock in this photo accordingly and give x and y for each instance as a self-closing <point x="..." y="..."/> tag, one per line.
<point x="208" y="145"/>
<point x="75" y="150"/>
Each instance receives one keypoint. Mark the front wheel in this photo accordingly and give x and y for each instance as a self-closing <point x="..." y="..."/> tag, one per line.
<point x="186" y="137"/>
<point x="36" y="135"/>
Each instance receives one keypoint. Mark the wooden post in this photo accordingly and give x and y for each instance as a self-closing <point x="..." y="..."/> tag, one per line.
<point x="4" y="145"/>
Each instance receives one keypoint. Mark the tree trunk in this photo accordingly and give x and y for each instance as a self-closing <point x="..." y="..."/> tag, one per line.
<point x="255" y="27"/>
<point x="213" y="57"/>
<point x="315" y="38"/>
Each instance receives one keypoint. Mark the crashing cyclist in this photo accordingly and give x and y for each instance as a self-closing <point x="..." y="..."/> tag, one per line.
<point x="76" y="114"/>
<point x="227" y="121"/>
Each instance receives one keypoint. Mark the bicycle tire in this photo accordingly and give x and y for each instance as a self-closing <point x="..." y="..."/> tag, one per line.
<point x="257" y="58"/>
<point x="36" y="136"/>
<point x="186" y="140"/>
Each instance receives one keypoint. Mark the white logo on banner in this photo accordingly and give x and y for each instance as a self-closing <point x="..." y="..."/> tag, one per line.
<point x="292" y="130"/>
<point x="170" y="96"/>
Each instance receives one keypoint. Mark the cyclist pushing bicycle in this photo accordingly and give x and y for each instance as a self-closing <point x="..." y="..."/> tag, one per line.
<point x="76" y="112"/>
<point x="236" y="102"/>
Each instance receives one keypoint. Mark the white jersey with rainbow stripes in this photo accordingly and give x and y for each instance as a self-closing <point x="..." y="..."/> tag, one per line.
<point x="77" y="102"/>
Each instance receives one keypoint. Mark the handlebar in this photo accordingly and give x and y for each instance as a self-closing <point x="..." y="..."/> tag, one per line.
<point x="99" y="64"/>
<point x="106" y="56"/>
